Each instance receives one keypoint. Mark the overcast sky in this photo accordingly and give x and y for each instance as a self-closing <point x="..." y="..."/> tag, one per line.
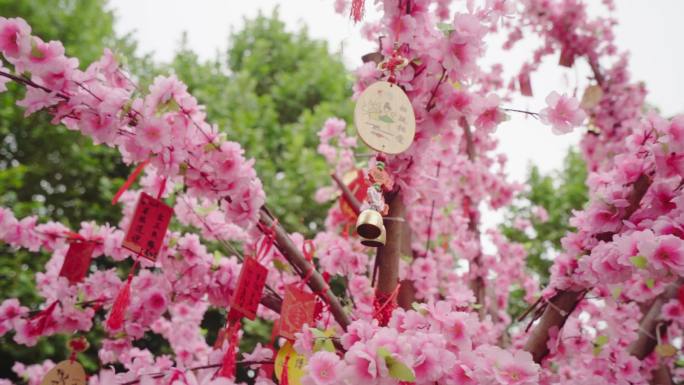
<point x="650" y="30"/>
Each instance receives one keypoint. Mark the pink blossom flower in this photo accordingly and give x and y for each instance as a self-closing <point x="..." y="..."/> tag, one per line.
<point x="153" y="134"/>
<point x="14" y="37"/>
<point x="563" y="113"/>
<point x="324" y="368"/>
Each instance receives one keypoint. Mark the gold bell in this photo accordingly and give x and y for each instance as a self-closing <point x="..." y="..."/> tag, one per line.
<point x="375" y="242"/>
<point x="369" y="224"/>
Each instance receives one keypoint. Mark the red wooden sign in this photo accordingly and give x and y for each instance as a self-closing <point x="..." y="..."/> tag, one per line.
<point x="148" y="227"/>
<point x="77" y="261"/>
<point x="298" y="309"/>
<point x="247" y="294"/>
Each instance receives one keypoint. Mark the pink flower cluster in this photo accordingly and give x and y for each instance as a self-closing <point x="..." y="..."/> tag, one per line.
<point x="166" y="126"/>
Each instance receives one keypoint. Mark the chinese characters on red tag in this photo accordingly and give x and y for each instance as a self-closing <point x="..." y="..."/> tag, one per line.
<point x="248" y="291"/>
<point x="298" y="309"/>
<point x="148" y="227"/>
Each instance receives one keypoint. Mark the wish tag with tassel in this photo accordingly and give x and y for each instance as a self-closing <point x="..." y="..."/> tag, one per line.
<point x="248" y="292"/>
<point x="77" y="261"/>
<point x="289" y="365"/>
<point x="68" y="372"/>
<point x="384" y="118"/>
<point x="148" y="227"/>
<point x="297" y="310"/>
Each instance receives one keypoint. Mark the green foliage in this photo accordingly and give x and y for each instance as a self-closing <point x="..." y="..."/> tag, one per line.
<point x="559" y="193"/>
<point x="271" y="92"/>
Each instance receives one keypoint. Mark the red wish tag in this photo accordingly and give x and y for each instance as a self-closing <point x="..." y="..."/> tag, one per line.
<point x="148" y="227"/>
<point x="77" y="261"/>
<point x="298" y="309"/>
<point x="248" y="291"/>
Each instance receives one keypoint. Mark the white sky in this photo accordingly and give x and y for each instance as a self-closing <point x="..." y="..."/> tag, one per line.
<point x="650" y="30"/>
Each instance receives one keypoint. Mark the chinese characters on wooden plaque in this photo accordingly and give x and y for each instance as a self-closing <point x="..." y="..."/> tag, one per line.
<point x="384" y="118"/>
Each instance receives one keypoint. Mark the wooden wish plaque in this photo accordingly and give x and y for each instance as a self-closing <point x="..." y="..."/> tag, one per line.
<point x="384" y="118"/>
<point x="65" y="373"/>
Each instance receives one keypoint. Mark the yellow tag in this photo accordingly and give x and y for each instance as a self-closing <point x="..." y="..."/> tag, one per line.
<point x="666" y="350"/>
<point x="65" y="373"/>
<point x="295" y="364"/>
<point x="384" y="118"/>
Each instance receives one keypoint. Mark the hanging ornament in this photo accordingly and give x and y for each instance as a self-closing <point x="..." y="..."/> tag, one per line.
<point x="247" y="294"/>
<point x="68" y="372"/>
<point x="356" y="11"/>
<point x="375" y="242"/>
<point x="369" y="224"/>
<point x="384" y="118"/>
<point x="148" y="227"/>
<point x="77" y="261"/>
<point x="289" y="365"/>
<point x="297" y="310"/>
<point x="380" y="177"/>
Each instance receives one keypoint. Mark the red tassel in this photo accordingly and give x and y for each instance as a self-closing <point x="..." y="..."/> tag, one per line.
<point x="123" y="299"/>
<point x="283" y="378"/>
<point x="118" y="313"/>
<point x="42" y="319"/>
<point x="357" y="10"/>
<point x="129" y="181"/>
<point x="228" y="365"/>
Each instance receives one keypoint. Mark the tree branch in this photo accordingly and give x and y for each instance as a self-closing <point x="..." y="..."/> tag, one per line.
<point x="295" y="257"/>
<point x="566" y="301"/>
<point x="388" y="256"/>
<point x="347" y="194"/>
<point x="645" y="343"/>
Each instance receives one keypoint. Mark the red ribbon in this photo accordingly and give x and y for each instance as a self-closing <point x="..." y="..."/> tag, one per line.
<point x="42" y="319"/>
<point x="228" y="366"/>
<point x="266" y="244"/>
<point x="384" y="305"/>
<point x="357" y="10"/>
<point x="308" y="250"/>
<point x="162" y="187"/>
<point x="130" y="180"/>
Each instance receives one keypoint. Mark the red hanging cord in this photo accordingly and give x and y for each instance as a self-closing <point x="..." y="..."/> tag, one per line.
<point x="129" y="181"/>
<point x="42" y="319"/>
<point x="228" y="366"/>
<point x="162" y="187"/>
<point x="356" y="12"/>
<point x="123" y="298"/>
<point x="384" y="305"/>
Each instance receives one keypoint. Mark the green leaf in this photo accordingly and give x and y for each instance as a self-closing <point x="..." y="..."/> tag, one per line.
<point x="397" y="369"/>
<point x="639" y="261"/>
<point x="650" y="283"/>
<point x="601" y="340"/>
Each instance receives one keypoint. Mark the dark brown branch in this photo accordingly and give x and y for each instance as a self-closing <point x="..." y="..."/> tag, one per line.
<point x="30" y="83"/>
<point x="430" y="104"/>
<point x="388" y="256"/>
<point x="295" y="257"/>
<point x="566" y="301"/>
<point x="646" y="342"/>
<point x="556" y="314"/>
<point x="348" y="195"/>
<point x="210" y="366"/>
<point x="478" y="284"/>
